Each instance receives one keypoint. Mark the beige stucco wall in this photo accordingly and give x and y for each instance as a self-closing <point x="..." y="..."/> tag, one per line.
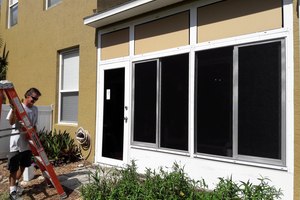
<point x="33" y="46"/>
<point x="234" y="17"/>
<point x="297" y="104"/>
<point x="168" y="32"/>
<point x="115" y="44"/>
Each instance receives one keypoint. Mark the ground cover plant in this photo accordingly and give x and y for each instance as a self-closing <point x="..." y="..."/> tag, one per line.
<point x="174" y="184"/>
<point x="59" y="147"/>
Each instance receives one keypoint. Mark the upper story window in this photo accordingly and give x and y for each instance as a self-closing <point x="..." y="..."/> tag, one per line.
<point x="50" y="3"/>
<point x="13" y="13"/>
<point x="69" y="86"/>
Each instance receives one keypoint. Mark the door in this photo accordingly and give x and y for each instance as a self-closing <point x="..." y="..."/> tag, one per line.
<point x="113" y="115"/>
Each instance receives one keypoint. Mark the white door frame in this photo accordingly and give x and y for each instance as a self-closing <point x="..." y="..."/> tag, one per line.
<point x="99" y="115"/>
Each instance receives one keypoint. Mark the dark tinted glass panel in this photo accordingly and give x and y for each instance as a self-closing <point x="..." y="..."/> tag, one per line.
<point x="145" y="83"/>
<point x="113" y="115"/>
<point x="214" y="101"/>
<point x="174" y="102"/>
<point x="259" y="118"/>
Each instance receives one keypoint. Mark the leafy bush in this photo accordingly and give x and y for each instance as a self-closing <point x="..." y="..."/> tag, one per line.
<point x="226" y="189"/>
<point x="59" y="146"/>
<point x="260" y="191"/>
<point x="174" y="184"/>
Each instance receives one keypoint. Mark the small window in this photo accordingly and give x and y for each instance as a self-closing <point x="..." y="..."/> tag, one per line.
<point x="161" y="102"/>
<point x="50" y="3"/>
<point x="69" y="86"/>
<point x="13" y="13"/>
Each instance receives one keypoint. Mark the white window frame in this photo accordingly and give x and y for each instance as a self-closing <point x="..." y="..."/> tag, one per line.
<point x="65" y="91"/>
<point x="48" y="5"/>
<point x="11" y="4"/>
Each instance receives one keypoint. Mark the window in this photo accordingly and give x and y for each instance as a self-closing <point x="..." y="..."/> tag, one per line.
<point x="13" y="13"/>
<point x="214" y="101"/>
<point x="69" y="86"/>
<point x="239" y="101"/>
<point x="50" y="3"/>
<point x="161" y="102"/>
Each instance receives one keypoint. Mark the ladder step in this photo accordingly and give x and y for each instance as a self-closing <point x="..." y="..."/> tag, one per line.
<point x="46" y="175"/>
<point x="39" y="159"/>
<point x="31" y="142"/>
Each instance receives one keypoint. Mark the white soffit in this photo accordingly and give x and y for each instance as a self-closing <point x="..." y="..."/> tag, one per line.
<point x="125" y="11"/>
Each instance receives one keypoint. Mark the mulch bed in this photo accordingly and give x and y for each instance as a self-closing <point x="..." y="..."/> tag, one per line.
<point x="37" y="187"/>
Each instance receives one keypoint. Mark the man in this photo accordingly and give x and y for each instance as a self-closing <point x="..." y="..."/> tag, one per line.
<point x="20" y="153"/>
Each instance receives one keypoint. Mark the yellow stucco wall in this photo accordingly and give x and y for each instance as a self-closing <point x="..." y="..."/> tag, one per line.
<point x="297" y="104"/>
<point x="33" y="46"/>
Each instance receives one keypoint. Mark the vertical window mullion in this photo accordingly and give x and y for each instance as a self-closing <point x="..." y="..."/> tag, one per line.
<point x="283" y="101"/>
<point x="192" y="105"/>
<point x="158" y="103"/>
<point x="235" y="104"/>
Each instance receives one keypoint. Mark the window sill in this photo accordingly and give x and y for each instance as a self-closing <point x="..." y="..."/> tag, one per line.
<point x="214" y="158"/>
<point x="240" y="162"/>
<point x="67" y="124"/>
<point x="174" y="152"/>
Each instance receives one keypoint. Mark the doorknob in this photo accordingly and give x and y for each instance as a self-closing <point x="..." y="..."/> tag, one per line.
<point x="125" y="119"/>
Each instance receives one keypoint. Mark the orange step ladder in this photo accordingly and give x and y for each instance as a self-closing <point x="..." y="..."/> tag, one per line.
<point x="37" y="149"/>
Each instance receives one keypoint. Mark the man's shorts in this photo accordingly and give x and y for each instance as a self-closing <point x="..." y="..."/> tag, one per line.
<point x="18" y="159"/>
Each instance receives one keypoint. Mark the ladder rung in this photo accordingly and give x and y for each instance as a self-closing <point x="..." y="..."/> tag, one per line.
<point x="46" y="175"/>
<point x="39" y="159"/>
<point x="31" y="142"/>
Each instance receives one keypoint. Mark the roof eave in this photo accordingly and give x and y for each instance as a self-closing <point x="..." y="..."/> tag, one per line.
<point x="126" y="11"/>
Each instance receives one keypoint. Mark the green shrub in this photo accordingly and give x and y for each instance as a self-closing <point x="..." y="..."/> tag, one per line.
<point x="59" y="146"/>
<point x="101" y="184"/>
<point x="164" y="184"/>
<point x="127" y="184"/>
<point x="171" y="185"/>
<point x="226" y="189"/>
<point x="262" y="191"/>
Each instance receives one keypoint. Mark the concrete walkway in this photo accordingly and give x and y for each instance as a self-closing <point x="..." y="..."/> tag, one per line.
<point x="76" y="178"/>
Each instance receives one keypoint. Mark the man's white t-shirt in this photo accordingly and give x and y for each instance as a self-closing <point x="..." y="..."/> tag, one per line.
<point x="19" y="142"/>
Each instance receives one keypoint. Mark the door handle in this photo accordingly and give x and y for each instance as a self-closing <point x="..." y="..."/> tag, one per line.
<point x="125" y="119"/>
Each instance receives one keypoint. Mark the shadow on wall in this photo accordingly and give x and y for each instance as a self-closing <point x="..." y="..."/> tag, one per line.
<point x="44" y="122"/>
